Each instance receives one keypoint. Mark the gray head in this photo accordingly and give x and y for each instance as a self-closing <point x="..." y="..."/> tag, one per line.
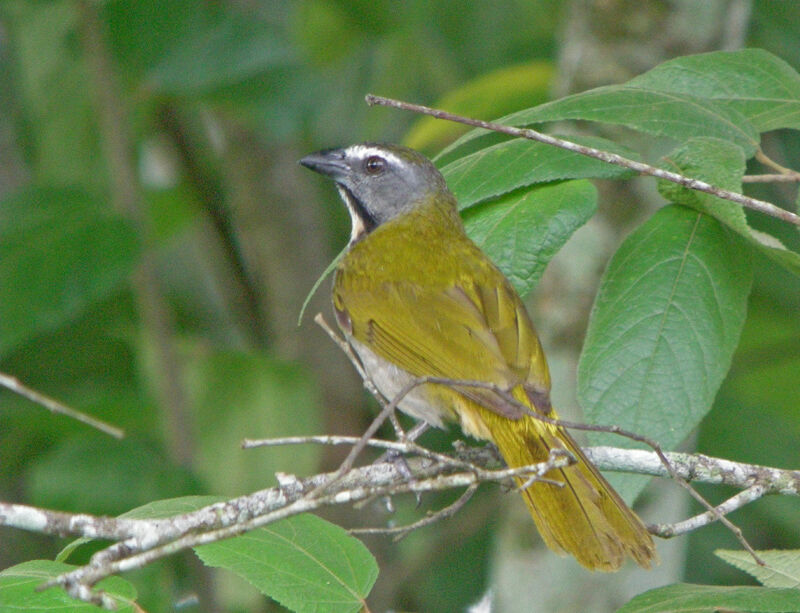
<point x="378" y="181"/>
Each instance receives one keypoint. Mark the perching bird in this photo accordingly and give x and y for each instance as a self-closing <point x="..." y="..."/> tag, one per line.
<point x="416" y="297"/>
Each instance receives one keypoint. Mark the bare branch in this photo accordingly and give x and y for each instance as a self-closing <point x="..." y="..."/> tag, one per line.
<point x="139" y="542"/>
<point x="606" y="156"/>
<point x="235" y="517"/>
<point x="698" y="521"/>
<point x="15" y="385"/>
<point x="697" y="468"/>
<point x="401" y="532"/>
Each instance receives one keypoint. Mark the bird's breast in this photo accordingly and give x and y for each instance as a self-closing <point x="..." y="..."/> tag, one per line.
<point x="391" y="380"/>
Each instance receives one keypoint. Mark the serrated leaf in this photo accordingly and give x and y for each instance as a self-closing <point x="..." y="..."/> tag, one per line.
<point x="755" y="83"/>
<point x="722" y="164"/>
<point x="517" y="163"/>
<point x="59" y="253"/>
<point x="303" y="562"/>
<point x="663" y="329"/>
<point x="688" y="598"/>
<point x="522" y="231"/>
<point x="782" y="569"/>
<point x="18" y="590"/>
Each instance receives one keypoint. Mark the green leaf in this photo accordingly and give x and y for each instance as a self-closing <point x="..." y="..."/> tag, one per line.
<point x="688" y="598"/>
<point x="755" y="83"/>
<point x="663" y="329"/>
<point x="60" y="252"/>
<point x="18" y="590"/>
<point x="303" y="562"/>
<point x="715" y="161"/>
<point x="231" y="49"/>
<point x="523" y="230"/>
<point x="159" y="509"/>
<point x="667" y="114"/>
<point x="678" y="116"/>
<point x="517" y="163"/>
<point x="782" y="569"/>
<point x="722" y="164"/>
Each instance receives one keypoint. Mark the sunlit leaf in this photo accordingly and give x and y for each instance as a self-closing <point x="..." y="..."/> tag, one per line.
<point x="757" y="84"/>
<point x="507" y="166"/>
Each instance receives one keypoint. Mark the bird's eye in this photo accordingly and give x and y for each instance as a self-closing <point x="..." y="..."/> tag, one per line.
<point x="374" y="165"/>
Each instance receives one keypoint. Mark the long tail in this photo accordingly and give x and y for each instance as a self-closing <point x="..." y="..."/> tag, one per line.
<point x="585" y="517"/>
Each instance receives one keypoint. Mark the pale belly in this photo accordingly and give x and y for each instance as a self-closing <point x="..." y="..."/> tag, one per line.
<point x="420" y="402"/>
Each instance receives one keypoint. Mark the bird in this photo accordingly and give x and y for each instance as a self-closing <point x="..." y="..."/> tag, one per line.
<point x="416" y="298"/>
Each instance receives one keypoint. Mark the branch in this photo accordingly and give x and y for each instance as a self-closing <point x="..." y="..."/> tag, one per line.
<point x="698" y="521"/>
<point x="698" y="468"/>
<point x="606" y="156"/>
<point x="772" y="178"/>
<point x="15" y="385"/>
<point x="139" y="542"/>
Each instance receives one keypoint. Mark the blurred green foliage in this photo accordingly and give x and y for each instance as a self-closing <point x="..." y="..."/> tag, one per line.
<point x="218" y="100"/>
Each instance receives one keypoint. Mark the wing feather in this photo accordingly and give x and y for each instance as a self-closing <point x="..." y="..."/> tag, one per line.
<point x="480" y="332"/>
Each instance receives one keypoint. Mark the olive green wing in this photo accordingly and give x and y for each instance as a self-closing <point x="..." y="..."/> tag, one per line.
<point x="466" y="331"/>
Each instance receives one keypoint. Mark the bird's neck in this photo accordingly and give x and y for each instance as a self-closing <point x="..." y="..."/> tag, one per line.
<point x="419" y="240"/>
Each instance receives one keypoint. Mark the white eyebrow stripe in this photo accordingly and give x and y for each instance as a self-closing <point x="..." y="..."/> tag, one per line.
<point x="362" y="152"/>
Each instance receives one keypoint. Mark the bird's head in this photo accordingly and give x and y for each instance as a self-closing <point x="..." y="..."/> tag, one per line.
<point x="378" y="182"/>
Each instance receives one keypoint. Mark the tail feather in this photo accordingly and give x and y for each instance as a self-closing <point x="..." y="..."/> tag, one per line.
<point x="584" y="517"/>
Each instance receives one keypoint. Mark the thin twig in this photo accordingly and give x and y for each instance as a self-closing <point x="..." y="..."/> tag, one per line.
<point x="400" y="532"/>
<point x="323" y="439"/>
<point x="744" y="497"/>
<point x="606" y="156"/>
<point x="15" y="385"/>
<point x="319" y="319"/>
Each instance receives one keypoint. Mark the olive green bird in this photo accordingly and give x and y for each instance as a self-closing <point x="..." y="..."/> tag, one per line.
<point x="416" y="297"/>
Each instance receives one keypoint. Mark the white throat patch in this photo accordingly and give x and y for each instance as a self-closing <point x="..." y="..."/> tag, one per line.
<point x="357" y="228"/>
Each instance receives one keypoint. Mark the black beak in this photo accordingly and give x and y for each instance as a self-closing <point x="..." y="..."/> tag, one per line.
<point x="330" y="162"/>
